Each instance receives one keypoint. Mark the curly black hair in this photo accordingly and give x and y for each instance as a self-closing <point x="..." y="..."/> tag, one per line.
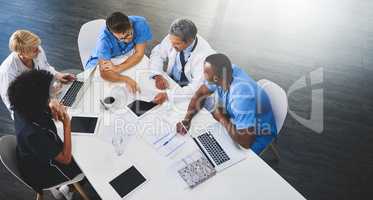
<point x="29" y="93"/>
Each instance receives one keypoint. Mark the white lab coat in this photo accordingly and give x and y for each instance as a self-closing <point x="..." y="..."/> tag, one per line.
<point x="12" y="67"/>
<point x="164" y="52"/>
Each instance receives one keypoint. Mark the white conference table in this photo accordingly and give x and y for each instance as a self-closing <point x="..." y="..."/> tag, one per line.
<point x="251" y="178"/>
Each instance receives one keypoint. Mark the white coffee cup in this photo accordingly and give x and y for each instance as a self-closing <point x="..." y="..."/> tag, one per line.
<point x="108" y="102"/>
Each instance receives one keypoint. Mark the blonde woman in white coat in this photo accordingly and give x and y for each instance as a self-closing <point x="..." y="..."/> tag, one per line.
<point x="26" y="54"/>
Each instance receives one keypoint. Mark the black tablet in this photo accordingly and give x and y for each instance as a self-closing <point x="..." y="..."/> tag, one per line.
<point x="128" y="181"/>
<point x="83" y="125"/>
<point x="139" y="107"/>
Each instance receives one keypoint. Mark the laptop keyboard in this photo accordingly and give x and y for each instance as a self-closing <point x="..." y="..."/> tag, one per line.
<point x="213" y="148"/>
<point x="71" y="93"/>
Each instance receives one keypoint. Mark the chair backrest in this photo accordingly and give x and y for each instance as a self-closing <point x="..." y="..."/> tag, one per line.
<point x="8" y="144"/>
<point x="279" y="101"/>
<point x="87" y="38"/>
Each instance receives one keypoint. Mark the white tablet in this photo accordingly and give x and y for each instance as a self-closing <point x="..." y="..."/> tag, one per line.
<point x="84" y="125"/>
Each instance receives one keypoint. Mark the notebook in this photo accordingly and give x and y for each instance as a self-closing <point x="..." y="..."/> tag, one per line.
<point x="196" y="172"/>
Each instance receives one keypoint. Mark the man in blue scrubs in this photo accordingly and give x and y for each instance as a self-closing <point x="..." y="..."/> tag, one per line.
<point x="243" y="108"/>
<point x="122" y="35"/>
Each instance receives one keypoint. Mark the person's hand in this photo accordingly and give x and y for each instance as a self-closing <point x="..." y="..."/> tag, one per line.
<point x="56" y="88"/>
<point x="66" y="77"/>
<point x="132" y="85"/>
<point x="160" y="98"/>
<point x="160" y="82"/>
<point x="108" y="66"/>
<point x="57" y="109"/>
<point x="183" y="127"/>
<point x="66" y="118"/>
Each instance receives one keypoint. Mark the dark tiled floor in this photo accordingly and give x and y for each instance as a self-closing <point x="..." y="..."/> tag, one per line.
<point x="278" y="40"/>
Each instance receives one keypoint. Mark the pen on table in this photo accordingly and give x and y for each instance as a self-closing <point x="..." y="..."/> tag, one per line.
<point x="169" y="140"/>
<point x="103" y="104"/>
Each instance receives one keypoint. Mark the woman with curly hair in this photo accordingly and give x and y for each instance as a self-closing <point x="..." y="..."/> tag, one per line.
<point x="43" y="158"/>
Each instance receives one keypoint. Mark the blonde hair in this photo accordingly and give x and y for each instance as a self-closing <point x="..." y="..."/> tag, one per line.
<point x="22" y="41"/>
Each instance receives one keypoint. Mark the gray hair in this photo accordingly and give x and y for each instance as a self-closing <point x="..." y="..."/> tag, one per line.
<point x="184" y="29"/>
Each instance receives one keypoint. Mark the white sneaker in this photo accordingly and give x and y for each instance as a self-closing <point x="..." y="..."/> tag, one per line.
<point x="65" y="190"/>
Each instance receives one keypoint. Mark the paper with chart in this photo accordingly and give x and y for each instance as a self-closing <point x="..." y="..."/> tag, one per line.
<point x="165" y="141"/>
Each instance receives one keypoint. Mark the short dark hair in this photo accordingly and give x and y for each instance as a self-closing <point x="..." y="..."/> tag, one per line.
<point x="29" y="93"/>
<point x="221" y="65"/>
<point x="118" y="22"/>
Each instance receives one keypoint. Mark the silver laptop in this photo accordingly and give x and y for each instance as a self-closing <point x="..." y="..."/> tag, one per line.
<point x="72" y="93"/>
<point x="218" y="147"/>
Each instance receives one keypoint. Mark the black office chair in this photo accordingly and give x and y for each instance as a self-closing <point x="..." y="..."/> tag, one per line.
<point x="8" y="157"/>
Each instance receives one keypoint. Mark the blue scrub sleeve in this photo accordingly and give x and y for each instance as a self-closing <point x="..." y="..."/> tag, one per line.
<point x="103" y="50"/>
<point x="143" y="33"/>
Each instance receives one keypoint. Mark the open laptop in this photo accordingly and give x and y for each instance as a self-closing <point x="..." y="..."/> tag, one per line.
<point x="71" y="93"/>
<point x="218" y="147"/>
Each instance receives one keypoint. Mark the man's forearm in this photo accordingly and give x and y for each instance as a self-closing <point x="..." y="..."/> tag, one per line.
<point x="221" y="118"/>
<point x="243" y="137"/>
<point x="193" y="108"/>
<point x="130" y="62"/>
<point x="196" y="102"/>
<point x="113" y="77"/>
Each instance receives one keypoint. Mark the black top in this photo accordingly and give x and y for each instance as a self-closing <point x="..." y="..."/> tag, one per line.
<point x="38" y="145"/>
<point x="37" y="140"/>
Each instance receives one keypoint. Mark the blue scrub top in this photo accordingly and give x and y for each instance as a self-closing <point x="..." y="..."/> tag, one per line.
<point x="247" y="106"/>
<point x="108" y="46"/>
